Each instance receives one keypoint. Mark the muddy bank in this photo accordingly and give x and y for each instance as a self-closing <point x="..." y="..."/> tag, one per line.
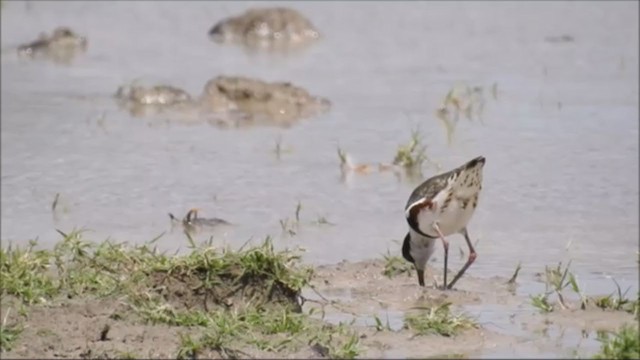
<point x="348" y="310"/>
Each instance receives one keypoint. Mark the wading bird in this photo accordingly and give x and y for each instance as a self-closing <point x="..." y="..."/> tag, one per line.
<point x="439" y="207"/>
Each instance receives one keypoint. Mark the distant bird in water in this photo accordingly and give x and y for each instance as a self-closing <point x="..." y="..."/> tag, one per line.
<point x="442" y="206"/>
<point x="191" y="220"/>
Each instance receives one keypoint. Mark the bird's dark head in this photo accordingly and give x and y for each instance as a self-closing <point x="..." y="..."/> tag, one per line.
<point x="406" y="253"/>
<point x="476" y="163"/>
<point x="406" y="248"/>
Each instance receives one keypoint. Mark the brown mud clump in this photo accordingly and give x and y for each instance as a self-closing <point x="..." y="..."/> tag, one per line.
<point x="61" y="46"/>
<point x="274" y="102"/>
<point x="275" y="28"/>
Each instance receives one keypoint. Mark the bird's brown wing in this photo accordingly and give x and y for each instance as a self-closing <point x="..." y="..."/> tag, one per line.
<point x="429" y="188"/>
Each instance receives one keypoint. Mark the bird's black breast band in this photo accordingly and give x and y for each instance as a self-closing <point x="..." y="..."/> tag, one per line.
<point x="413" y="223"/>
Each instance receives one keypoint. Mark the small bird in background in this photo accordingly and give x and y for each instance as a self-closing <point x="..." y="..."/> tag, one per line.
<point x="191" y="220"/>
<point x="439" y="207"/>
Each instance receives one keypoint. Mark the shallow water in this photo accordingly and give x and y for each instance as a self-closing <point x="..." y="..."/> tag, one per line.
<point x="550" y="342"/>
<point x="561" y="139"/>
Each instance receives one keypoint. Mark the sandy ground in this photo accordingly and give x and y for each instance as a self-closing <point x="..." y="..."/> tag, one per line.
<point x="349" y="292"/>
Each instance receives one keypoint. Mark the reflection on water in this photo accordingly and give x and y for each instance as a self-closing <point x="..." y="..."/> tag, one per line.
<point x="555" y="173"/>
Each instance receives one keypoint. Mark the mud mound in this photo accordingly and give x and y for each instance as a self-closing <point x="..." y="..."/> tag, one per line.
<point x="210" y="288"/>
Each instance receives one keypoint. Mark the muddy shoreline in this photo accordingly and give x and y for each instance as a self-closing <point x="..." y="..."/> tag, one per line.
<point x="356" y="294"/>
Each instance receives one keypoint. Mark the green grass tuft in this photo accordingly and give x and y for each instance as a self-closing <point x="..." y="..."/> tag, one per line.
<point x="395" y="265"/>
<point x="8" y="336"/>
<point x="439" y="320"/>
<point x="625" y="344"/>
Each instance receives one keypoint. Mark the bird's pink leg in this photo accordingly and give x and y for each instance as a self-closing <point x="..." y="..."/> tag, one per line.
<point x="470" y="260"/>
<point x="445" y="243"/>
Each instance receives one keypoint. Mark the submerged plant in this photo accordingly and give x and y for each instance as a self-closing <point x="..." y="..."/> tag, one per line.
<point x="342" y="155"/>
<point x="278" y="149"/>
<point x="513" y="278"/>
<point x="380" y="326"/>
<point x="618" y="301"/>
<point x="412" y="154"/>
<point x="556" y="280"/>
<point x="541" y="302"/>
<point x="559" y="278"/>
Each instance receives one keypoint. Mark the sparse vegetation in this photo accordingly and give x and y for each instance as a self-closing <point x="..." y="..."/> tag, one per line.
<point x="336" y="342"/>
<point x="413" y="154"/>
<point x="232" y="301"/>
<point x="290" y="226"/>
<point x="465" y="99"/>
<point x="409" y="158"/>
<point x="89" y="353"/>
<point x="227" y="332"/>
<point x="625" y="344"/>
<point x="555" y="281"/>
<point x="125" y="355"/>
<point x="278" y="149"/>
<point x="448" y="356"/>
<point x="380" y="326"/>
<point x="298" y="209"/>
<point x="322" y="220"/>
<point x="347" y="165"/>
<point x="54" y="204"/>
<point x="513" y="278"/>
<point x="559" y="278"/>
<point x="23" y="272"/>
<point x="618" y="301"/>
<point x="437" y="319"/>
<point x="8" y="334"/>
<point x="395" y="265"/>
<point x="541" y="302"/>
<point x="342" y="155"/>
